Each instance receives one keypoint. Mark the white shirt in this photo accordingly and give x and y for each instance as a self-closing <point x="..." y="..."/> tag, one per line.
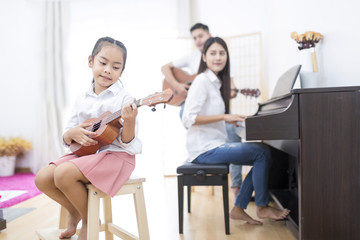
<point x="91" y="105"/>
<point x="204" y="99"/>
<point x="190" y="61"/>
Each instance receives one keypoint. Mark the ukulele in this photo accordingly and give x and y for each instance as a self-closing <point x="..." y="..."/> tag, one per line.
<point x="107" y="126"/>
<point x="183" y="77"/>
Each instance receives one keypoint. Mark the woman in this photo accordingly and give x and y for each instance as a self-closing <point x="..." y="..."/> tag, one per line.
<point x="205" y="113"/>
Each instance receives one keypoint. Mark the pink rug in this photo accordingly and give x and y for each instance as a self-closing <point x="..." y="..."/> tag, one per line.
<point x="17" y="188"/>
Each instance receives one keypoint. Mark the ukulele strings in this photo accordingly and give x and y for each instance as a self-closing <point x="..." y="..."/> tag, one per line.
<point x="117" y="114"/>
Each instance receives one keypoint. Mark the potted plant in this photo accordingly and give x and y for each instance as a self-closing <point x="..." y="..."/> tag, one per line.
<point x="9" y="150"/>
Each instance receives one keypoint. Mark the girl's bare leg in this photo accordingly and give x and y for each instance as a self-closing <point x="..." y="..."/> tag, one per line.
<point x="71" y="182"/>
<point x="44" y="181"/>
<point x="272" y="213"/>
<point x="240" y="214"/>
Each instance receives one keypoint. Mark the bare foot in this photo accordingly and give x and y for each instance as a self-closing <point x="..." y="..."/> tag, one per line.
<point x="240" y="214"/>
<point x="235" y="191"/>
<point x="83" y="232"/>
<point x="272" y="213"/>
<point x="72" y="225"/>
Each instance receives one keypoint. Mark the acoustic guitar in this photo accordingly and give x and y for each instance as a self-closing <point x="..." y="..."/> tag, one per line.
<point x="183" y="77"/>
<point x="107" y="126"/>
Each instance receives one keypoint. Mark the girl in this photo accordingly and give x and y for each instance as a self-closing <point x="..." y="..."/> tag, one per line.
<point x="205" y="113"/>
<point x="109" y="168"/>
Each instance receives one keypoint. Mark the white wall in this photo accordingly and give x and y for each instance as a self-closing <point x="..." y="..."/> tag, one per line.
<point x="21" y="69"/>
<point x="338" y="20"/>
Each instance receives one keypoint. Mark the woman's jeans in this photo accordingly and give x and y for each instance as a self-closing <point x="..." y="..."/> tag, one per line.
<point x="235" y="170"/>
<point x="248" y="153"/>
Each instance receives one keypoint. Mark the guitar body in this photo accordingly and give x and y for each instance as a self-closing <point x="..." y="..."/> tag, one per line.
<point x="105" y="135"/>
<point x="181" y="77"/>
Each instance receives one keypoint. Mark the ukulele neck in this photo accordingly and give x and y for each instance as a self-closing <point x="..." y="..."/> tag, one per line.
<point x="117" y="115"/>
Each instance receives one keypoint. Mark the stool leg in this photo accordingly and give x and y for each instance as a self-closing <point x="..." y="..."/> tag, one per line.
<point x="64" y="217"/>
<point x="181" y="201"/>
<point x="141" y="217"/>
<point x="225" y="188"/>
<point x="189" y="198"/>
<point x="107" y="217"/>
<point x="93" y="215"/>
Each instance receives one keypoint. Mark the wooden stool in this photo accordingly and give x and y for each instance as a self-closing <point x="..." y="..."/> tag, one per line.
<point x="132" y="186"/>
<point x="193" y="174"/>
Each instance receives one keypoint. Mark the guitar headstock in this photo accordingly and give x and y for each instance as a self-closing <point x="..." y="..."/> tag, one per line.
<point x="156" y="98"/>
<point x="250" y="92"/>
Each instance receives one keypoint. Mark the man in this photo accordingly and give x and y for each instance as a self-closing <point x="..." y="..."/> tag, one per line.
<point x="200" y="33"/>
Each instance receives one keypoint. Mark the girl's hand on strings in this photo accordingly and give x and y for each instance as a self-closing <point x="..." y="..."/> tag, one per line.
<point x="129" y="112"/>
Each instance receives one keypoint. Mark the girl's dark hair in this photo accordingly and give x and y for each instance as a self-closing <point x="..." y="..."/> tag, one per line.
<point x="108" y="40"/>
<point x="224" y="75"/>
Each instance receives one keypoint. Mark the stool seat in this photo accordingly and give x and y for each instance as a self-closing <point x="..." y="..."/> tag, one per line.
<point x="193" y="168"/>
<point x="194" y="174"/>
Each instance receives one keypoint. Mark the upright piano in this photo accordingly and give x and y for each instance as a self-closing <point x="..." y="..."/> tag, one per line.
<point x="314" y="137"/>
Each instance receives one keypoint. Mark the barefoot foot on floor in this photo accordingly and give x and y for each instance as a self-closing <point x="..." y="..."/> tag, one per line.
<point x="71" y="228"/>
<point x="239" y="214"/>
<point x="272" y="213"/>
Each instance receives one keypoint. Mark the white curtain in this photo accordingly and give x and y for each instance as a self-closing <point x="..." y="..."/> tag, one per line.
<point x="48" y="144"/>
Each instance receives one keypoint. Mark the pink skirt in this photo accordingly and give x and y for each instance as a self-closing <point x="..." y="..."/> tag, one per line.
<point x="108" y="171"/>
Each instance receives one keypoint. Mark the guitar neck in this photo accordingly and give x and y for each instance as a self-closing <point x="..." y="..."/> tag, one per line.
<point x="117" y="115"/>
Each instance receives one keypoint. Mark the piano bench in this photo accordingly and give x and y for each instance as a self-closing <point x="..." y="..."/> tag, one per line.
<point x="194" y="174"/>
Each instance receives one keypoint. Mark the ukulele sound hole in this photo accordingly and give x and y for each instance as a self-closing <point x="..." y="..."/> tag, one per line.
<point x="96" y="126"/>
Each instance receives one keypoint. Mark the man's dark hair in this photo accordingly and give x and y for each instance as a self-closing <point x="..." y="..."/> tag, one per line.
<point x="199" y="26"/>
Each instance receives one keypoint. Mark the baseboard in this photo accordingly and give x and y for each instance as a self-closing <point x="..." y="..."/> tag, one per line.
<point x="22" y="170"/>
<point x="2" y="224"/>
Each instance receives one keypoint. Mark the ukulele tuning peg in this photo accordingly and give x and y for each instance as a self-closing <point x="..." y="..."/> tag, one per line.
<point x="153" y="109"/>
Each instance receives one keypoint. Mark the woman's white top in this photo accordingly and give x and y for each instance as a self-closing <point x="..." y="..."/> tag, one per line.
<point x="204" y="99"/>
<point x="91" y="105"/>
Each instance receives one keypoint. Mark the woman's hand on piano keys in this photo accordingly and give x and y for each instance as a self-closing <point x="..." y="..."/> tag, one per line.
<point x="233" y="119"/>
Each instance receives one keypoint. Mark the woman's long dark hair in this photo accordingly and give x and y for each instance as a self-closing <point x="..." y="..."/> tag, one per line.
<point x="224" y="75"/>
